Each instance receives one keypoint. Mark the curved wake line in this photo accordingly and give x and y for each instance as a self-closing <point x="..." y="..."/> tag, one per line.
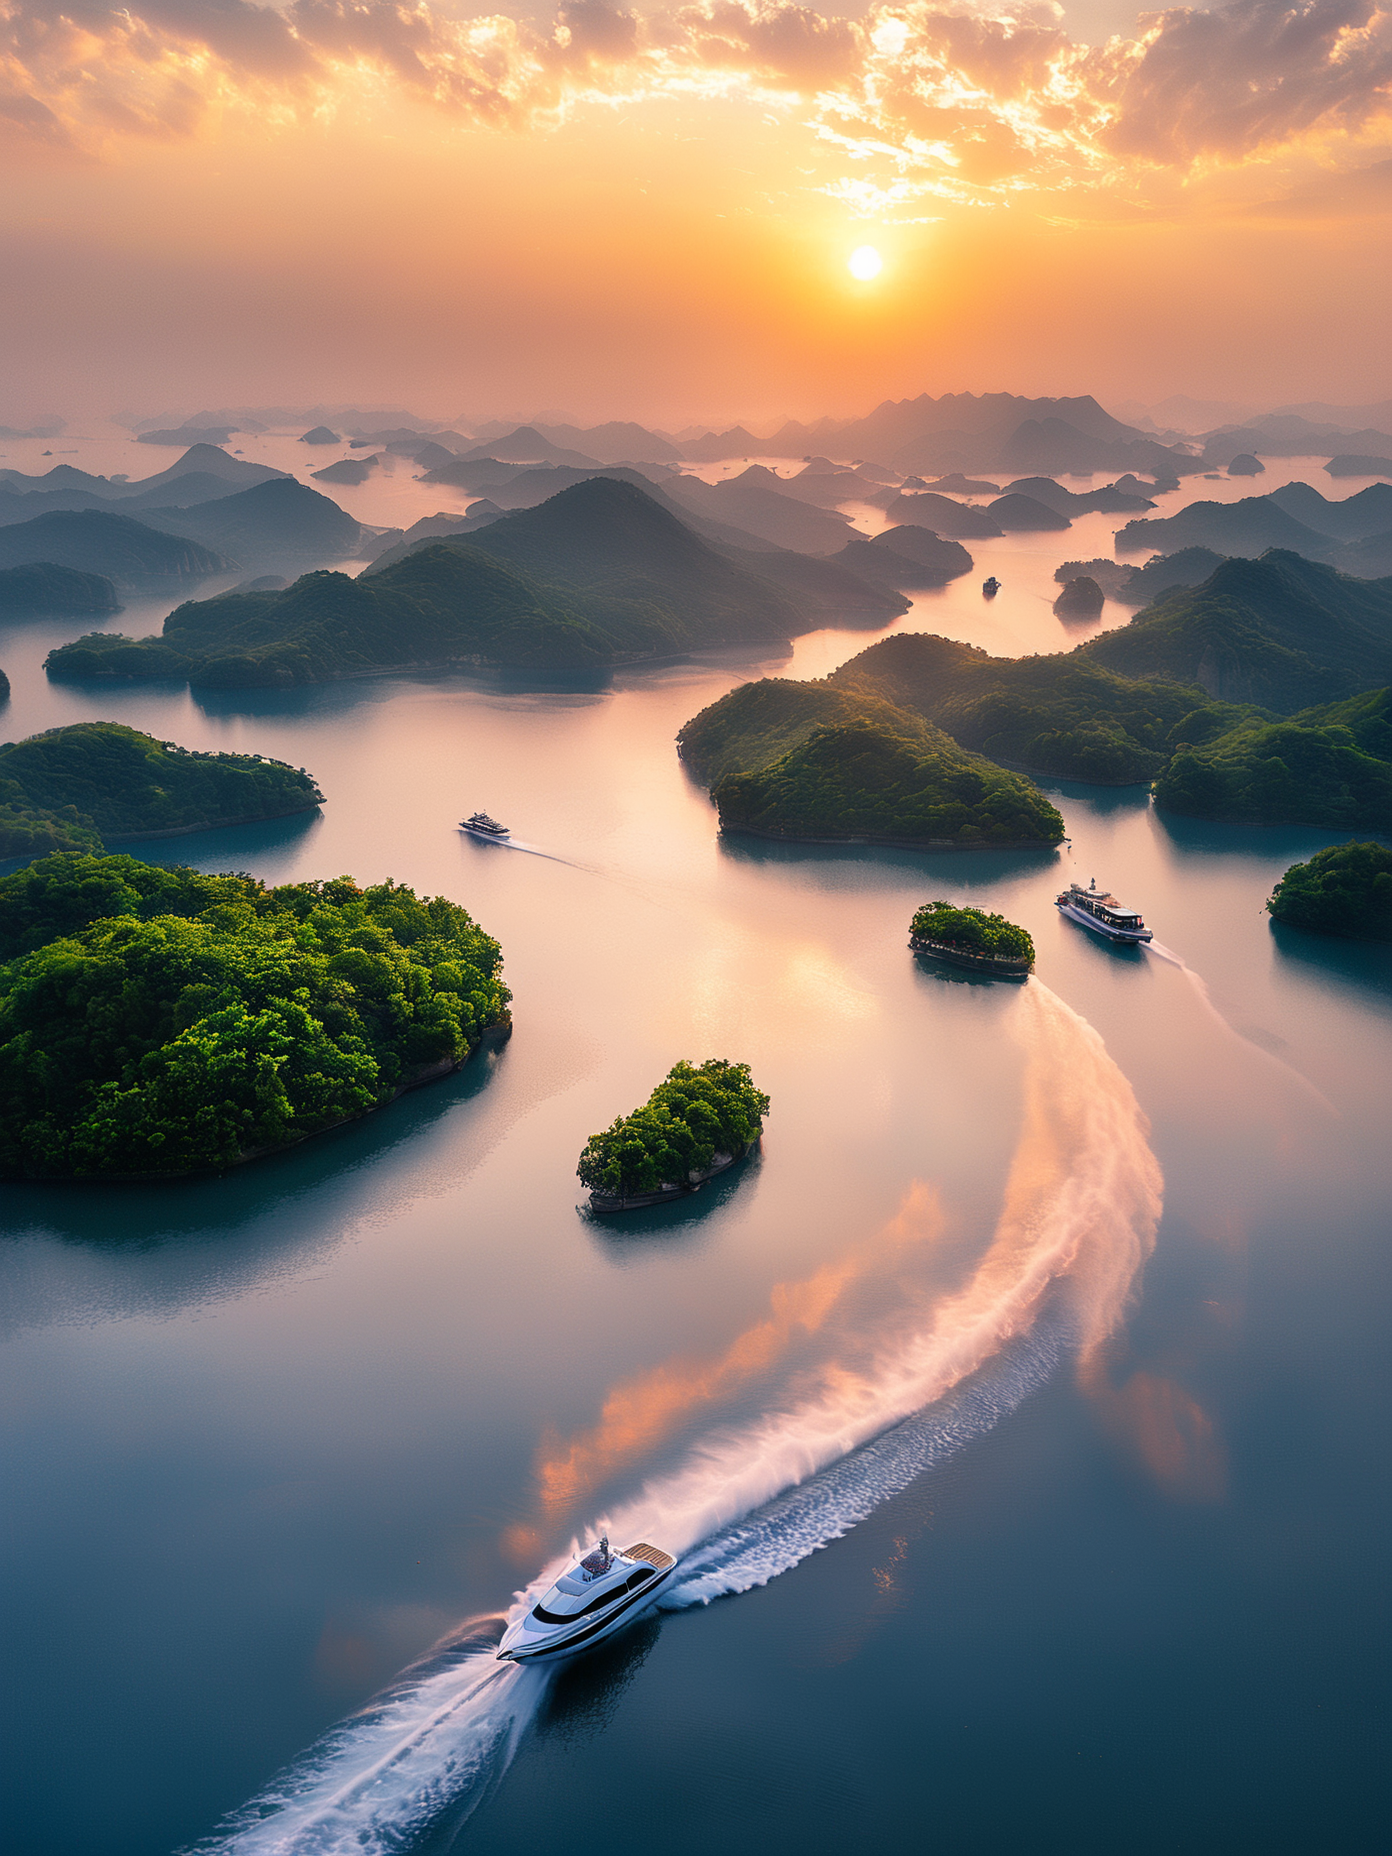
<point x="1077" y="1222"/>
<point x="1199" y="986"/>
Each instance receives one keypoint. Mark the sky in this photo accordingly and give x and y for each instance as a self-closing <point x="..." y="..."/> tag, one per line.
<point x="648" y="213"/>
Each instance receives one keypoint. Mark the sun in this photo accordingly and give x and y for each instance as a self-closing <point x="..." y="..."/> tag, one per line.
<point x="865" y="262"/>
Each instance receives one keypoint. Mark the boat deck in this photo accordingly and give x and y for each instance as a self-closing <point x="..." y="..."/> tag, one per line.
<point x="653" y="1556"/>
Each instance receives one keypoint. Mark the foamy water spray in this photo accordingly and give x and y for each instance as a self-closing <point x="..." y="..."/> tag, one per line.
<point x="1078" y="1221"/>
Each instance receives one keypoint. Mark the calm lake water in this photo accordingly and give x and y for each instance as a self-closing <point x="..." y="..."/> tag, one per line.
<point x="1061" y="1309"/>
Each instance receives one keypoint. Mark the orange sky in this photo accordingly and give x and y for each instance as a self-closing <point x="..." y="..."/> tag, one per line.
<point x="647" y="214"/>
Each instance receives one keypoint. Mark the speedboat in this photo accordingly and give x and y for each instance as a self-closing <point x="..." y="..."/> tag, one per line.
<point x="990" y="587"/>
<point x="1095" y="909"/>
<point x="484" y="827"/>
<point x="592" y="1599"/>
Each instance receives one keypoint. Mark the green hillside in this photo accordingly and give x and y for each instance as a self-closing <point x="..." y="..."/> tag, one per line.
<point x="1281" y="631"/>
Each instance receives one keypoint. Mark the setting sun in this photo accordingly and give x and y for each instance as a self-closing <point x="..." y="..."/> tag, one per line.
<point x="864" y="262"/>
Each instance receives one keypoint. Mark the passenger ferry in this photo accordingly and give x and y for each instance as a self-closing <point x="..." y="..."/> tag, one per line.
<point x="484" y="827"/>
<point x="991" y="587"/>
<point x="592" y="1599"/>
<point x="1095" y="909"/>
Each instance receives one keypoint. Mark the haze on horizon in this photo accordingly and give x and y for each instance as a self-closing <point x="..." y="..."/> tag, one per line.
<point x="648" y="214"/>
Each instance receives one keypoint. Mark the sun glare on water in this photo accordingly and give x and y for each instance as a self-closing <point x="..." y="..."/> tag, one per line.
<point x="864" y="262"/>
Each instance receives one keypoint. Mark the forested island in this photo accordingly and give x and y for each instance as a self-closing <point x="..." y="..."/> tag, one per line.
<point x="972" y="938"/>
<point x="699" y="1120"/>
<point x="1169" y="699"/>
<point x="71" y="788"/>
<point x="158" y="1022"/>
<point x="1345" y="891"/>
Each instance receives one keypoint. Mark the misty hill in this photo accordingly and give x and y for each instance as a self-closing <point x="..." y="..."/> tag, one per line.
<point x="610" y="537"/>
<point x="1352" y="518"/>
<point x="188" y="435"/>
<point x="1018" y="514"/>
<point x="473" y="474"/>
<point x="1138" y="586"/>
<point x="617" y="577"/>
<point x="44" y="587"/>
<point x="906" y="557"/>
<point x="137" y="556"/>
<point x="734" y="443"/>
<point x="347" y="470"/>
<point x="1351" y="464"/>
<point x="747" y="503"/>
<point x="957" y="521"/>
<point x="444" y="604"/>
<point x="595" y="540"/>
<point x="1279" y="631"/>
<point x="613" y="442"/>
<point x="320" y="435"/>
<point x="270" y="524"/>
<point x="827" y="589"/>
<point x="1111" y="499"/>
<point x="1249" y="526"/>
<point x="72" y="787"/>
<point x="527" y="446"/>
<point x="1245" y="465"/>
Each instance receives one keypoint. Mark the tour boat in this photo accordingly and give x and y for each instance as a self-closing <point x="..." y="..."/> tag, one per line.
<point x="1095" y="909"/>
<point x="595" y="1597"/>
<point x="990" y="587"/>
<point x="483" y="827"/>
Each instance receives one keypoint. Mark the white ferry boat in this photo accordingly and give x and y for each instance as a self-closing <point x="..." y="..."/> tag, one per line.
<point x="1095" y="909"/>
<point x="484" y="827"/>
<point x="595" y="1597"/>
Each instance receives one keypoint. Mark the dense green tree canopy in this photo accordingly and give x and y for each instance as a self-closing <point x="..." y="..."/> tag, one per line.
<point x="163" y="1022"/>
<point x="697" y="1112"/>
<point x="973" y="930"/>
<point x="66" y="788"/>
<point x="1345" y="890"/>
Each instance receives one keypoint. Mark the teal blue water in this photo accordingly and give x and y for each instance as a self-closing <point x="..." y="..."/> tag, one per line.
<point x="269" y="1437"/>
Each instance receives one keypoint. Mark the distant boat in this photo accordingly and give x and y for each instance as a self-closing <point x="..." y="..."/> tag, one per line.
<point x="990" y="587"/>
<point x="483" y="826"/>
<point x="1095" y="909"/>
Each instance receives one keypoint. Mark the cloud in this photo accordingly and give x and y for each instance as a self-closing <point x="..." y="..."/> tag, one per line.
<point x="969" y="102"/>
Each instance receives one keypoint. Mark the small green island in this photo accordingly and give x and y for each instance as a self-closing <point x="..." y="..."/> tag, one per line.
<point x="71" y="788"/>
<point x="971" y="938"/>
<point x="157" y="1022"/>
<point x="700" y="1120"/>
<point x="1345" y="890"/>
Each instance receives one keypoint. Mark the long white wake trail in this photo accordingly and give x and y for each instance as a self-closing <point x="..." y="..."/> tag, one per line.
<point x="1080" y="1209"/>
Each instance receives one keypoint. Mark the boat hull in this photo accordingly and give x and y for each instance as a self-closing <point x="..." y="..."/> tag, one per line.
<point x="1127" y="937"/>
<point x="489" y="837"/>
<point x="561" y="1644"/>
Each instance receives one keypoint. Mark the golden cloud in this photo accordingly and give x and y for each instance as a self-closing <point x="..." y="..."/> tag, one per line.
<point x="967" y="103"/>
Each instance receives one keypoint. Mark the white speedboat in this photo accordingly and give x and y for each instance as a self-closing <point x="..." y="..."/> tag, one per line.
<point x="484" y="827"/>
<point x="1095" y="909"/>
<point x="595" y="1597"/>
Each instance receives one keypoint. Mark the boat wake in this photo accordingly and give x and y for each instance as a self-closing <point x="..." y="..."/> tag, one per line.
<point x="1077" y="1223"/>
<point x="1199" y="986"/>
